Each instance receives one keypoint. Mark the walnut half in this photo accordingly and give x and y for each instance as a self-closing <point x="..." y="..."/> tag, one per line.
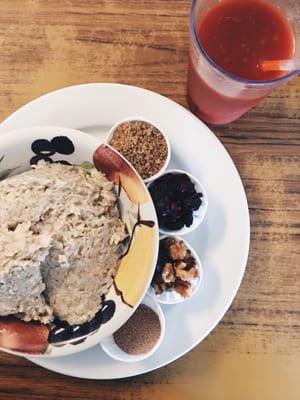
<point x="168" y="273"/>
<point x="177" y="251"/>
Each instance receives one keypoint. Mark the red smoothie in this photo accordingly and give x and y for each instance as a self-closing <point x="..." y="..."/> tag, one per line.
<point x="237" y="35"/>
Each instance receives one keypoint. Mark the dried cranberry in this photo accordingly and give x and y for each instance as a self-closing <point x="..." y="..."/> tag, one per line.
<point x="174" y="225"/>
<point x="188" y="218"/>
<point x="175" y="208"/>
<point x="175" y="198"/>
<point x="185" y="185"/>
<point x="162" y="206"/>
<point x="192" y="203"/>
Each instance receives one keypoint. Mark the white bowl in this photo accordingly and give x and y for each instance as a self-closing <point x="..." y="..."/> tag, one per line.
<point x="110" y="347"/>
<point x="164" y="167"/>
<point x="198" y="215"/>
<point x="22" y="147"/>
<point x="171" y="296"/>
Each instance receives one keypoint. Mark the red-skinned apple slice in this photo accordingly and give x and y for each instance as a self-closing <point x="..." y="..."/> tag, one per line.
<point x="24" y="337"/>
<point x="117" y="169"/>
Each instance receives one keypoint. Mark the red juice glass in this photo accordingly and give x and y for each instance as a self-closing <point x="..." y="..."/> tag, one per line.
<point x="224" y="78"/>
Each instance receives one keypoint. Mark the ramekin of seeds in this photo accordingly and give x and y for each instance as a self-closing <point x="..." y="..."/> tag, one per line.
<point x="140" y="336"/>
<point x="180" y="202"/>
<point x="143" y="144"/>
<point x="178" y="273"/>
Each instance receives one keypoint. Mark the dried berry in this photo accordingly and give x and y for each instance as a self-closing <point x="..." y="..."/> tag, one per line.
<point x="185" y="185"/>
<point x="175" y="199"/>
<point x="192" y="203"/>
<point x="188" y="218"/>
<point x="173" y="223"/>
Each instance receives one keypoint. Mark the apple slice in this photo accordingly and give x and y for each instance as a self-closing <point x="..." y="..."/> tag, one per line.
<point x="25" y="337"/>
<point x="118" y="170"/>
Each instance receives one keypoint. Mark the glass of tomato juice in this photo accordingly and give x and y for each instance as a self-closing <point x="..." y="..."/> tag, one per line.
<point x="229" y="40"/>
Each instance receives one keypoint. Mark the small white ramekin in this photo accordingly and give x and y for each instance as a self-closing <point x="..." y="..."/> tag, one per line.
<point x="165" y="166"/>
<point x="198" y="215"/>
<point x="171" y="296"/>
<point x="110" y="347"/>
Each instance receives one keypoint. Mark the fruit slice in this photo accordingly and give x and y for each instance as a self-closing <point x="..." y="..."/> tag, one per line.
<point x="25" y="337"/>
<point x="133" y="273"/>
<point x="118" y="170"/>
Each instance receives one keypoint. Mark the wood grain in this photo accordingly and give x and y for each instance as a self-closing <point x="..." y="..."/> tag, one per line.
<point x="254" y="353"/>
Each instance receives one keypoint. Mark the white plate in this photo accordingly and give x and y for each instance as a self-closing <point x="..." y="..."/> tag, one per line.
<point x="222" y="240"/>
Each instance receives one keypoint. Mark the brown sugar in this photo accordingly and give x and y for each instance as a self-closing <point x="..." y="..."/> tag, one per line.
<point x="143" y="145"/>
<point x="140" y="333"/>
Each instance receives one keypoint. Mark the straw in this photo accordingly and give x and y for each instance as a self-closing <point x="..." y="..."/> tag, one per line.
<point x="280" y="65"/>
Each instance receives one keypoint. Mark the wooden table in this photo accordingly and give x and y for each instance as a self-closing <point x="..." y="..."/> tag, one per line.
<point x="254" y="352"/>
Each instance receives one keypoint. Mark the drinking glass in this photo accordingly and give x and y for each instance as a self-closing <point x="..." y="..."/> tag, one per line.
<point x="216" y="96"/>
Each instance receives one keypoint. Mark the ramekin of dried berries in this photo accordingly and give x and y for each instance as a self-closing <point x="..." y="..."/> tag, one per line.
<point x="178" y="273"/>
<point x="143" y="144"/>
<point x="180" y="202"/>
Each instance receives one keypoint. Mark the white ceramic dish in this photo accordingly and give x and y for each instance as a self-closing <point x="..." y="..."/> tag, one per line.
<point x="114" y="351"/>
<point x="165" y="166"/>
<point x="21" y="148"/>
<point x="222" y="239"/>
<point x="198" y="215"/>
<point x="172" y="297"/>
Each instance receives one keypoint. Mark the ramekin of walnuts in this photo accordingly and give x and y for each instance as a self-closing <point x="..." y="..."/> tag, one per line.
<point x="178" y="272"/>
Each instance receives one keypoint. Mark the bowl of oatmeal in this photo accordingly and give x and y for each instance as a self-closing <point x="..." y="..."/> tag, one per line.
<point x="78" y="241"/>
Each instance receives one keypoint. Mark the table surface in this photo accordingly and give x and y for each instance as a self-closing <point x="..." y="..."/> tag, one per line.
<point x="254" y="352"/>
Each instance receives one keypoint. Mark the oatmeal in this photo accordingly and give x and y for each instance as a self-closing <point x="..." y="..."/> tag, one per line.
<point x="60" y="235"/>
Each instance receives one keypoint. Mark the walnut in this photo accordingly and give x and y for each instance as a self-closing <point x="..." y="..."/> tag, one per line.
<point x="187" y="275"/>
<point x="158" y="288"/>
<point x="176" y="268"/>
<point x="177" y="251"/>
<point x="194" y="272"/>
<point x="179" y="265"/>
<point x="167" y="273"/>
<point x="183" y="288"/>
